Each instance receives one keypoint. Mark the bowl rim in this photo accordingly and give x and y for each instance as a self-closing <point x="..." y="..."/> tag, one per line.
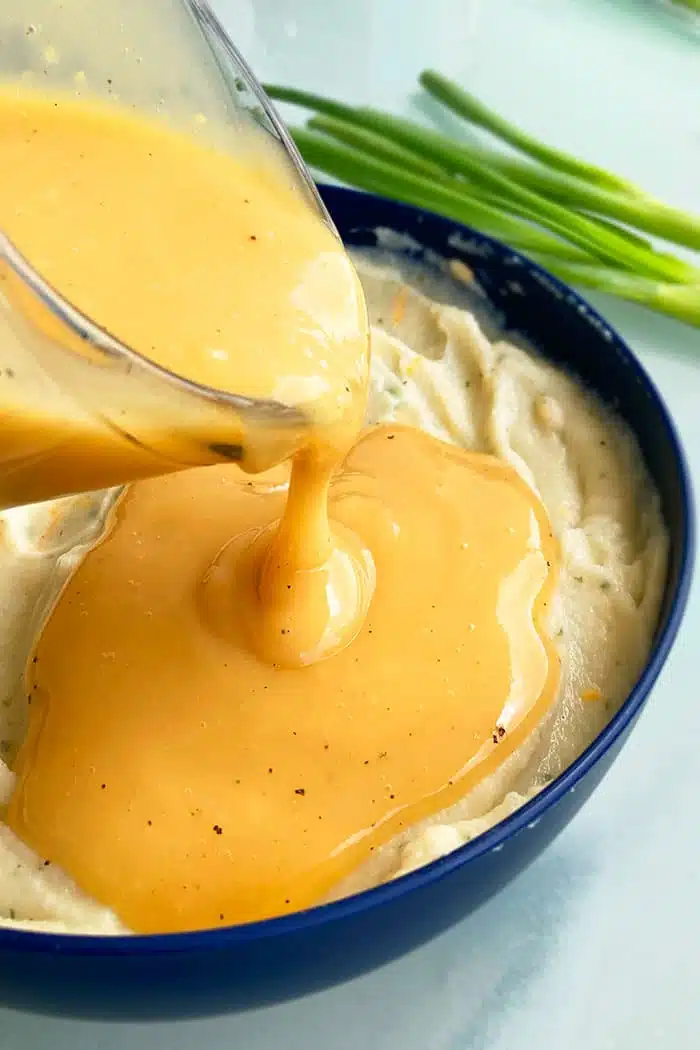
<point x="95" y="945"/>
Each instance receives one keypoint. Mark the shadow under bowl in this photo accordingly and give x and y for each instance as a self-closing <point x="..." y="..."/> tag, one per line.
<point x="224" y="970"/>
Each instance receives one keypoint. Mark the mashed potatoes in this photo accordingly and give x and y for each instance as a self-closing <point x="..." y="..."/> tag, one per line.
<point x="434" y="368"/>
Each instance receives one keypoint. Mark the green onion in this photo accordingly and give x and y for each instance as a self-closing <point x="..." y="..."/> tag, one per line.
<point x="384" y="149"/>
<point x="376" y="145"/>
<point x="464" y="104"/>
<point x="681" y="301"/>
<point x="643" y="213"/>
<point x="358" y="169"/>
<point x="639" y="210"/>
<point x="373" y="145"/>
<point x="478" y="167"/>
<point x="582" y="231"/>
<point x="565" y="215"/>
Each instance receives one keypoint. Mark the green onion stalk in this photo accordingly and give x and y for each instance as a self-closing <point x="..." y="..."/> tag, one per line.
<point x="582" y="231"/>
<point x="681" y="301"/>
<point x="581" y="222"/>
<point x="641" y="212"/>
<point x="377" y="146"/>
<point x="465" y="105"/>
<point x="586" y="191"/>
<point x="377" y="176"/>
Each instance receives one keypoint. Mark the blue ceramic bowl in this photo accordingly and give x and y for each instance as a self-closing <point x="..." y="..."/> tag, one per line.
<point x="193" y="974"/>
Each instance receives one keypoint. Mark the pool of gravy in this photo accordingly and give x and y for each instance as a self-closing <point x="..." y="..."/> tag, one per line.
<point x="251" y="683"/>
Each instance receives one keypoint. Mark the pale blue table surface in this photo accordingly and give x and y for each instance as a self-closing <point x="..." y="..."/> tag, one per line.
<point x="595" y="947"/>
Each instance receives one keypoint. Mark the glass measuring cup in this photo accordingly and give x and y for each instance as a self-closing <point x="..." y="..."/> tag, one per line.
<point x="81" y="410"/>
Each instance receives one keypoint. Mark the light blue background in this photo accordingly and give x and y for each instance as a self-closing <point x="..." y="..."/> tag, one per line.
<point x="594" y="948"/>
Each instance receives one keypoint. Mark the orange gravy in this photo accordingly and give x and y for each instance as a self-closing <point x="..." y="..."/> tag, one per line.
<point x="251" y="684"/>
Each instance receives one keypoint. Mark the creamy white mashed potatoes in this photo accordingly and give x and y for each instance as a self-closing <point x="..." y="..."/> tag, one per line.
<point x="433" y="367"/>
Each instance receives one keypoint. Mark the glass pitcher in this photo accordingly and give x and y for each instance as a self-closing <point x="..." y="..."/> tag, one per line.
<point x="68" y="390"/>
